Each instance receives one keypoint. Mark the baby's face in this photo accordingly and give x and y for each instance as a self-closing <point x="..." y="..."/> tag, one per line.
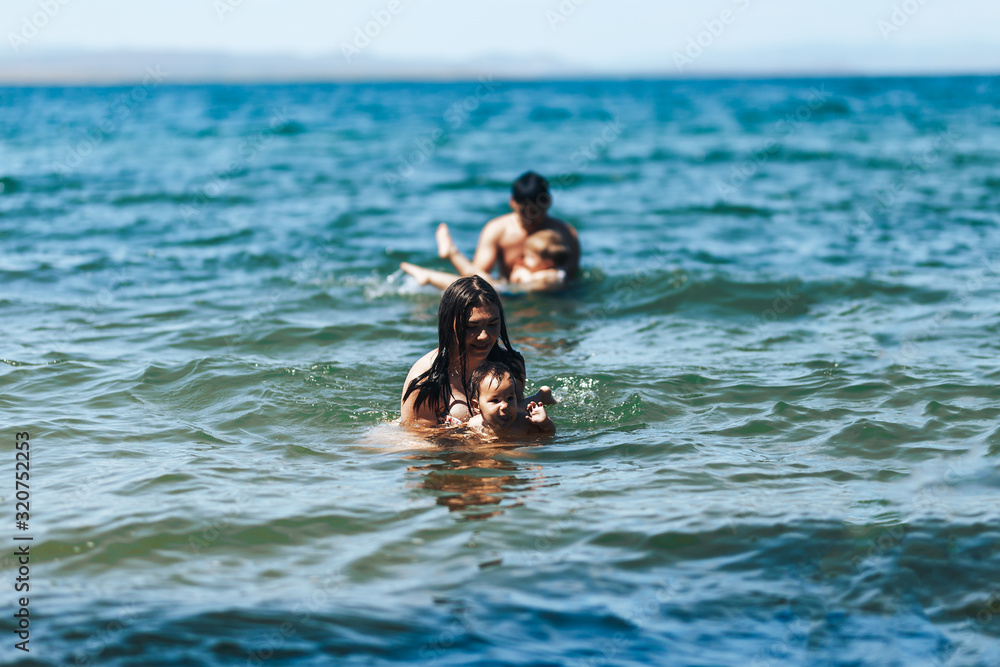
<point x="534" y="262"/>
<point x="498" y="401"/>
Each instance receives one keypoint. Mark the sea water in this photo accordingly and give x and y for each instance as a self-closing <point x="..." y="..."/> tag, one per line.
<point x="777" y="375"/>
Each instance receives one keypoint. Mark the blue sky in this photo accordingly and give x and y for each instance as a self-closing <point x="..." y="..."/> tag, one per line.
<point x="604" y="35"/>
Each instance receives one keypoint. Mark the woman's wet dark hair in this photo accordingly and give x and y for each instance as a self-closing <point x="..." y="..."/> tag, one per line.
<point x="457" y="303"/>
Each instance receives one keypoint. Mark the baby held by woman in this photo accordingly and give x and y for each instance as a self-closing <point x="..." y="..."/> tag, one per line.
<point x="493" y="400"/>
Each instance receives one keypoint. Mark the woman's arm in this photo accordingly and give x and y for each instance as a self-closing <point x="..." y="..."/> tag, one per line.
<point x="427" y="415"/>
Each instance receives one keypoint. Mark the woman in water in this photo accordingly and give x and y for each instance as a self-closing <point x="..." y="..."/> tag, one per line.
<point x="471" y="328"/>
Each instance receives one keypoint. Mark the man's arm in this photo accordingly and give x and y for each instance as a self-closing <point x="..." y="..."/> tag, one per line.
<point x="448" y="250"/>
<point x="467" y="268"/>
<point x="487" y="248"/>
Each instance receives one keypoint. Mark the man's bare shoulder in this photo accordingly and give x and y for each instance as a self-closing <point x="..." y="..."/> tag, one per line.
<point x="500" y="224"/>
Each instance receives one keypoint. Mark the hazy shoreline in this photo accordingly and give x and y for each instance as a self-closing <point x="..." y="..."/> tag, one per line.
<point x="123" y="68"/>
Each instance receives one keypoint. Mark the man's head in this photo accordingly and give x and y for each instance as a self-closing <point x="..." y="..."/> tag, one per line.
<point x="545" y="250"/>
<point x="493" y="394"/>
<point x="530" y="199"/>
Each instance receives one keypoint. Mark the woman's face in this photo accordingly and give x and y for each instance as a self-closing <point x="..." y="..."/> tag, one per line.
<point x="482" y="328"/>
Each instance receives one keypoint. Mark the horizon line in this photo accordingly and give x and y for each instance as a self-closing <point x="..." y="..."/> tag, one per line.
<point x="111" y="81"/>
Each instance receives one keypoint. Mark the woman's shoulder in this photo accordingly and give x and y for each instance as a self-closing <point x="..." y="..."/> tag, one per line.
<point x="424" y="362"/>
<point x="422" y="365"/>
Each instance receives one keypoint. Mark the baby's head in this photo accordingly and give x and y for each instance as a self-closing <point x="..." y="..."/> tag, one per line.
<point x="493" y="394"/>
<point x="545" y="250"/>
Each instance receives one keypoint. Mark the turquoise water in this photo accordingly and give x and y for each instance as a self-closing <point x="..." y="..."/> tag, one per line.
<point x="778" y="428"/>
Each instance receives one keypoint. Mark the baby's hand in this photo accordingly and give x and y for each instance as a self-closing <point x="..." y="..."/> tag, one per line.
<point x="536" y="413"/>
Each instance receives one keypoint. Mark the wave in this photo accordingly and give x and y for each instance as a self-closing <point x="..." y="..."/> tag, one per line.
<point x="846" y="574"/>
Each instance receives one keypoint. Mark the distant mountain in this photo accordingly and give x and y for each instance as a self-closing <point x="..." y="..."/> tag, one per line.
<point x="128" y="67"/>
<point x="865" y="59"/>
<point x="82" y="68"/>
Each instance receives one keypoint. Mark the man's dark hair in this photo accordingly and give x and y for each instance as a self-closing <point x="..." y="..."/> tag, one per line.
<point x="530" y="188"/>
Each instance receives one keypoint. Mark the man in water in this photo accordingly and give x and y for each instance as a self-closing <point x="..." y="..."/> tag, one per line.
<point x="502" y="241"/>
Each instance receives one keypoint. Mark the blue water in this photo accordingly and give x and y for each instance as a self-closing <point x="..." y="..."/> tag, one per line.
<point x="778" y="419"/>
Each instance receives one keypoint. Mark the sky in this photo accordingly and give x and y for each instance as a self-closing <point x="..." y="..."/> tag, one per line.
<point x="602" y="35"/>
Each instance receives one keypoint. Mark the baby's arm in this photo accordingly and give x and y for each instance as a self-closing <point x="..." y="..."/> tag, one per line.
<point x="538" y="421"/>
<point x="540" y="281"/>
